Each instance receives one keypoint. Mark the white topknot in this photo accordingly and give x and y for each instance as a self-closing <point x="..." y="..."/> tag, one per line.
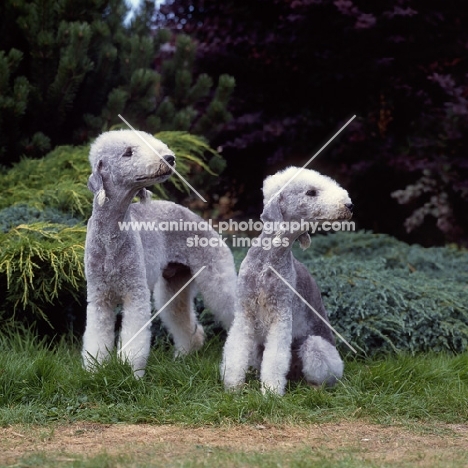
<point x="115" y="142"/>
<point x="274" y="183"/>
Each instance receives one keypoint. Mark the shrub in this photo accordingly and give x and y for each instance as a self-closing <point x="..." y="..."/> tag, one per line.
<point x="42" y="212"/>
<point x="26" y="214"/>
<point x="40" y="263"/>
<point x="384" y="295"/>
<point x="56" y="181"/>
<point x="59" y="179"/>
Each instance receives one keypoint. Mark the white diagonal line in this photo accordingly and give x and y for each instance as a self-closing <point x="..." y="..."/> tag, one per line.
<point x="157" y="153"/>
<point x="162" y="308"/>
<point x="313" y="157"/>
<point x="310" y="307"/>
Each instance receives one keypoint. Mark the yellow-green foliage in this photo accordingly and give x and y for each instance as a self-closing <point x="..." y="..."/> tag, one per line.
<point x="41" y="261"/>
<point x="59" y="179"/>
<point x="191" y="152"/>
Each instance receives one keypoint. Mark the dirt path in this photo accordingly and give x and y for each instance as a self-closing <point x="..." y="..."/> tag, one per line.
<point x="370" y="442"/>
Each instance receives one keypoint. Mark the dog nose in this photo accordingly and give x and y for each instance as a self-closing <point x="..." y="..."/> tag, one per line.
<point x="350" y="206"/>
<point x="170" y="159"/>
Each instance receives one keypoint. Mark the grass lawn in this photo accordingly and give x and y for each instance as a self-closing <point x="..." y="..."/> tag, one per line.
<point x="388" y="411"/>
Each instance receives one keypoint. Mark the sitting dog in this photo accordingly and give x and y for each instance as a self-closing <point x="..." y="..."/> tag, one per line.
<point x="273" y="323"/>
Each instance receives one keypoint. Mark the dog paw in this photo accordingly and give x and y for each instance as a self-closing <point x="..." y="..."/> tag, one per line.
<point x="188" y="345"/>
<point x="198" y="338"/>
<point x="272" y="388"/>
<point x="139" y="373"/>
<point x="234" y="386"/>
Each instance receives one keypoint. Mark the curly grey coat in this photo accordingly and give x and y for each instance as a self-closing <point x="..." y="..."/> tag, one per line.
<point x="273" y="323"/>
<point x="127" y="267"/>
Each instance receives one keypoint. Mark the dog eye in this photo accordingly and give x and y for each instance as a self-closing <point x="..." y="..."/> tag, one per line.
<point x="311" y="193"/>
<point x="128" y="152"/>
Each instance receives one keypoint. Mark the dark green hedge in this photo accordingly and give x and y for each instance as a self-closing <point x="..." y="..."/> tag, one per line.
<point x="385" y="295"/>
<point x="382" y="295"/>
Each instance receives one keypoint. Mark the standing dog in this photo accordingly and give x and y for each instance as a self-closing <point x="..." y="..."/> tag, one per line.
<point x="127" y="266"/>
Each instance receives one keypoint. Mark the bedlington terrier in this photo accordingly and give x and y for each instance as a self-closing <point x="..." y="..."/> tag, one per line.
<point x="273" y="323"/>
<point x="127" y="267"/>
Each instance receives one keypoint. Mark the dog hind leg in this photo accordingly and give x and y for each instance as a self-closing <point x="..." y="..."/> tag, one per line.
<point x="217" y="285"/>
<point x="321" y="362"/>
<point x="179" y="315"/>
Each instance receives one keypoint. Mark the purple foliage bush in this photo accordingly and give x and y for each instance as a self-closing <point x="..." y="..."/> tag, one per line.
<point x="304" y="67"/>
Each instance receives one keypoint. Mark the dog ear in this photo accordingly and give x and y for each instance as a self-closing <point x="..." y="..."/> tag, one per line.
<point x="272" y="210"/>
<point x="272" y="214"/>
<point x="304" y="241"/>
<point x="144" y="195"/>
<point x="96" y="184"/>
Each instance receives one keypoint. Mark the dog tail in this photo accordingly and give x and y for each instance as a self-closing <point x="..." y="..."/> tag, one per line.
<point x="321" y="362"/>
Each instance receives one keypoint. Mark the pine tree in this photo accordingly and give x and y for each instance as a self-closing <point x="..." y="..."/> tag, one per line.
<point x="67" y="69"/>
<point x="168" y="99"/>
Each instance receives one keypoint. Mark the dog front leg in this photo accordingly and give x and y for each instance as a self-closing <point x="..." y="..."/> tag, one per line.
<point x="135" y="335"/>
<point x="237" y="350"/>
<point x="277" y="356"/>
<point x="99" y="336"/>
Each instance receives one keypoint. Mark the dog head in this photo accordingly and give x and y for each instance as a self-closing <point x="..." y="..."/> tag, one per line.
<point x="128" y="161"/>
<point x="297" y="194"/>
